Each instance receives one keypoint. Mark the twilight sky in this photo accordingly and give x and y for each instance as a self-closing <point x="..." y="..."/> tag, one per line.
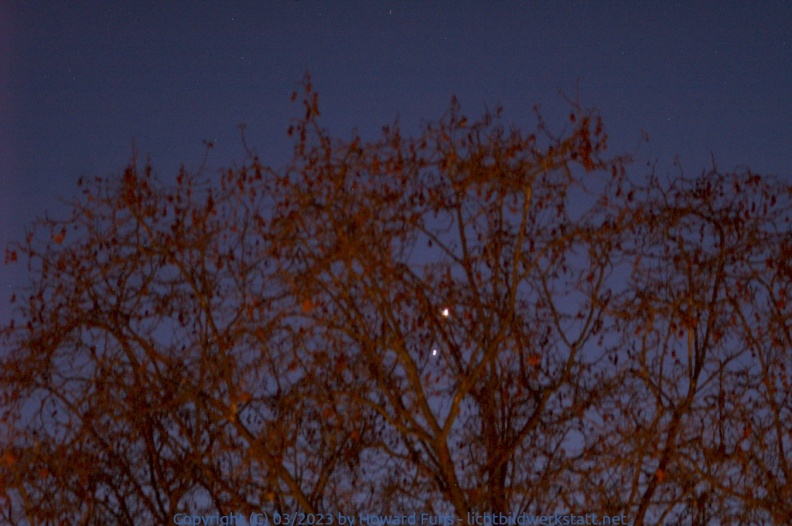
<point x="80" y="81"/>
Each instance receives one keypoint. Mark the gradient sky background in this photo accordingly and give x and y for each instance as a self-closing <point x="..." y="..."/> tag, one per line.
<point x="80" y="81"/>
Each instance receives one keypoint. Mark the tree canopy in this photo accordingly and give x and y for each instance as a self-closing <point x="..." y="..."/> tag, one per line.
<point x="473" y="319"/>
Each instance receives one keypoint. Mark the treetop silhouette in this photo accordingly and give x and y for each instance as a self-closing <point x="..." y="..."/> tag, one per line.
<point x="473" y="319"/>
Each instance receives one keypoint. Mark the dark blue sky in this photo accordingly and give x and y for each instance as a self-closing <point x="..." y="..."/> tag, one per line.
<point x="80" y="81"/>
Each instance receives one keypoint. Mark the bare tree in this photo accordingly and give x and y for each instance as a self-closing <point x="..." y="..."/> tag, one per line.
<point x="701" y="429"/>
<point x="471" y="320"/>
